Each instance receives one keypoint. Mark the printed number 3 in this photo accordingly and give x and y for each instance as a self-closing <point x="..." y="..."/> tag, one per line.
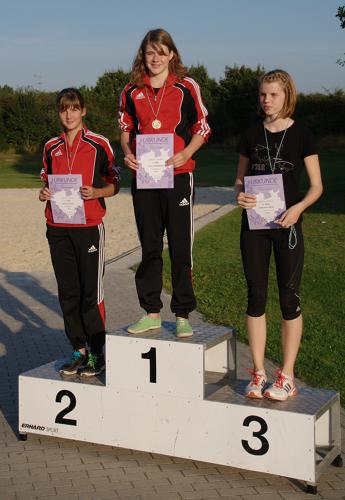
<point x="258" y="434"/>
<point x="60" y="417"/>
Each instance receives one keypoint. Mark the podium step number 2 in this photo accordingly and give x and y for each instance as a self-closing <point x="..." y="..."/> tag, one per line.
<point x="181" y="398"/>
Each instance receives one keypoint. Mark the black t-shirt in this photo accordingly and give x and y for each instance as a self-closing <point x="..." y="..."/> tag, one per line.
<point x="298" y="143"/>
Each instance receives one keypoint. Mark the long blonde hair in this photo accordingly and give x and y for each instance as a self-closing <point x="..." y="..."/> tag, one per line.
<point x="156" y="38"/>
<point x="287" y="83"/>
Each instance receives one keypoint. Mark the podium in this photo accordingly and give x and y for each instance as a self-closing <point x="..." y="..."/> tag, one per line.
<point x="181" y="397"/>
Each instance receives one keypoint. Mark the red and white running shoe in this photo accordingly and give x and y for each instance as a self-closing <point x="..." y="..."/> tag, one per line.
<point x="255" y="388"/>
<point x="282" y="388"/>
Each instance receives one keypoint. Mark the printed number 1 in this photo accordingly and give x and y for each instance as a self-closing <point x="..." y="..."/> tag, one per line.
<point x="151" y="355"/>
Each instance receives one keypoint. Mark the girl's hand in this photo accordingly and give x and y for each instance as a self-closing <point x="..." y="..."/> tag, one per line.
<point x="246" y="200"/>
<point x="44" y="194"/>
<point x="290" y="216"/>
<point x="131" y="162"/>
<point x="88" y="192"/>
<point x="179" y="159"/>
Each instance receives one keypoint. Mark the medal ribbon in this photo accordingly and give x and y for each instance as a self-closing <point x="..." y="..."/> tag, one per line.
<point x="159" y="105"/>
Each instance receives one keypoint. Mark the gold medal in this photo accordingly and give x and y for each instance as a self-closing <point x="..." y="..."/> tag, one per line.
<point x="156" y="124"/>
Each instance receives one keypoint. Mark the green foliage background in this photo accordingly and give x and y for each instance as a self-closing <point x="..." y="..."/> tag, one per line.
<point x="28" y="117"/>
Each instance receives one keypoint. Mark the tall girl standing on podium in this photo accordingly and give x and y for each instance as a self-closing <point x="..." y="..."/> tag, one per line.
<point x="278" y="145"/>
<point x="161" y="99"/>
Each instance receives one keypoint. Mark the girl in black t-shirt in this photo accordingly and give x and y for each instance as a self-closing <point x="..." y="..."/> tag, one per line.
<point x="279" y="145"/>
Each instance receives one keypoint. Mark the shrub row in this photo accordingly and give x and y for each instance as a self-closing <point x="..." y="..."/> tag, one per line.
<point x="28" y="117"/>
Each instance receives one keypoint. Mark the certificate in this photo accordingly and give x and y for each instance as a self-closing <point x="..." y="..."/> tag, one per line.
<point x="66" y="201"/>
<point x="270" y="200"/>
<point x="152" y="152"/>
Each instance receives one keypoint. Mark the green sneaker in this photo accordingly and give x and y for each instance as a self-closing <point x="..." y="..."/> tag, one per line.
<point x="145" y="324"/>
<point x="183" y="328"/>
<point x="95" y="365"/>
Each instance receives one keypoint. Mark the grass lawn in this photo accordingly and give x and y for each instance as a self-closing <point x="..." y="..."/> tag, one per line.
<point x="215" y="167"/>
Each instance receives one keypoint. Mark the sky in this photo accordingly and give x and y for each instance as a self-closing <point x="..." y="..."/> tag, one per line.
<point x="52" y="45"/>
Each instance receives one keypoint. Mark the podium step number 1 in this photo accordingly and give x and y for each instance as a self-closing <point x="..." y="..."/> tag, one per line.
<point x="181" y="398"/>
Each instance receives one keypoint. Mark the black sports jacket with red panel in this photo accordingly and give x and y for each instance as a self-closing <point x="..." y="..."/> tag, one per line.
<point x="181" y="112"/>
<point x="92" y="157"/>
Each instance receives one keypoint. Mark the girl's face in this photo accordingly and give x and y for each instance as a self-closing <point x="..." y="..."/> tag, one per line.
<point x="272" y="98"/>
<point x="157" y="61"/>
<point x="71" y="118"/>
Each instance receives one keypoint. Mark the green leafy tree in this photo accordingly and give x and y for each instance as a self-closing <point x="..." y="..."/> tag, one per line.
<point x="209" y="91"/>
<point x="323" y="113"/>
<point x="103" y="103"/>
<point x="237" y="100"/>
<point x="5" y="91"/>
<point x="341" y="15"/>
<point x="28" y="119"/>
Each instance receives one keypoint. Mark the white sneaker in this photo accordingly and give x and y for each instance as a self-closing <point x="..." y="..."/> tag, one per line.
<point x="255" y="388"/>
<point x="282" y="388"/>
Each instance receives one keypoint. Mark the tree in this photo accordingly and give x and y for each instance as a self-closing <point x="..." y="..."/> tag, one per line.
<point x="28" y="118"/>
<point x="341" y="15"/>
<point x="238" y="99"/>
<point x="103" y="101"/>
<point x="209" y="91"/>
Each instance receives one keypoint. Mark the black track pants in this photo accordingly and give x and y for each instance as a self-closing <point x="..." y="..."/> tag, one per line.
<point x="157" y="210"/>
<point x="78" y="259"/>
<point x="256" y="248"/>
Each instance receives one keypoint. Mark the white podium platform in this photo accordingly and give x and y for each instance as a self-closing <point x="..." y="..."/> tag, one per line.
<point x="181" y="398"/>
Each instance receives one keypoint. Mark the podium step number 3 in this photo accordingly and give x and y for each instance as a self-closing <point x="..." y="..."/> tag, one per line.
<point x="181" y="398"/>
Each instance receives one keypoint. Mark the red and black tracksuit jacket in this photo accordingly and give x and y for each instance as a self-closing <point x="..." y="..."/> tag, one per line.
<point x="94" y="160"/>
<point x="181" y="112"/>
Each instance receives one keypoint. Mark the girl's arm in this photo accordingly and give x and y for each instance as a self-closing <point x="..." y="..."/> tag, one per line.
<point x="244" y="200"/>
<point x="90" y="192"/>
<point x="110" y="175"/>
<point x="129" y="159"/>
<point x="183" y="156"/>
<point x="44" y="193"/>
<point x="292" y="214"/>
<point x="200" y="128"/>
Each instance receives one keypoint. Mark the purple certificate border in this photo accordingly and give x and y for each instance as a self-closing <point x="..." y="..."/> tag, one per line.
<point x="154" y="142"/>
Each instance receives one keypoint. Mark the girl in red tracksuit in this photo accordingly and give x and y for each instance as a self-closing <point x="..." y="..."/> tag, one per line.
<point x="162" y="99"/>
<point x="77" y="250"/>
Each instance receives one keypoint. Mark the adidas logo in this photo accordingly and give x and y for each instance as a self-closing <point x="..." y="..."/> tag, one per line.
<point x="58" y="153"/>
<point x="140" y="96"/>
<point x="92" y="249"/>
<point x="184" y="203"/>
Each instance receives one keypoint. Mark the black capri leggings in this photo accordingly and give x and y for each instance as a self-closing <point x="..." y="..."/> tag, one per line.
<point x="256" y="248"/>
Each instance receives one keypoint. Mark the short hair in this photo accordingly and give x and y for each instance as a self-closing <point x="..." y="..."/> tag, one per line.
<point x="69" y="97"/>
<point x="282" y="77"/>
<point x="156" y="38"/>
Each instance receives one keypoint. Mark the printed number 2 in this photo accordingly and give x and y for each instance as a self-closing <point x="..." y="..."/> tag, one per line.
<point x="151" y="355"/>
<point x="258" y="434"/>
<point x="60" y="417"/>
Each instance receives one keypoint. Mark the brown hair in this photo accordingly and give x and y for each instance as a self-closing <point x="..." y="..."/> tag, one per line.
<point x="156" y="38"/>
<point x="69" y="97"/>
<point x="287" y="83"/>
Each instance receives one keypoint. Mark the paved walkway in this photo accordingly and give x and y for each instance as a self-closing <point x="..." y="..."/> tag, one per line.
<point x="31" y="334"/>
